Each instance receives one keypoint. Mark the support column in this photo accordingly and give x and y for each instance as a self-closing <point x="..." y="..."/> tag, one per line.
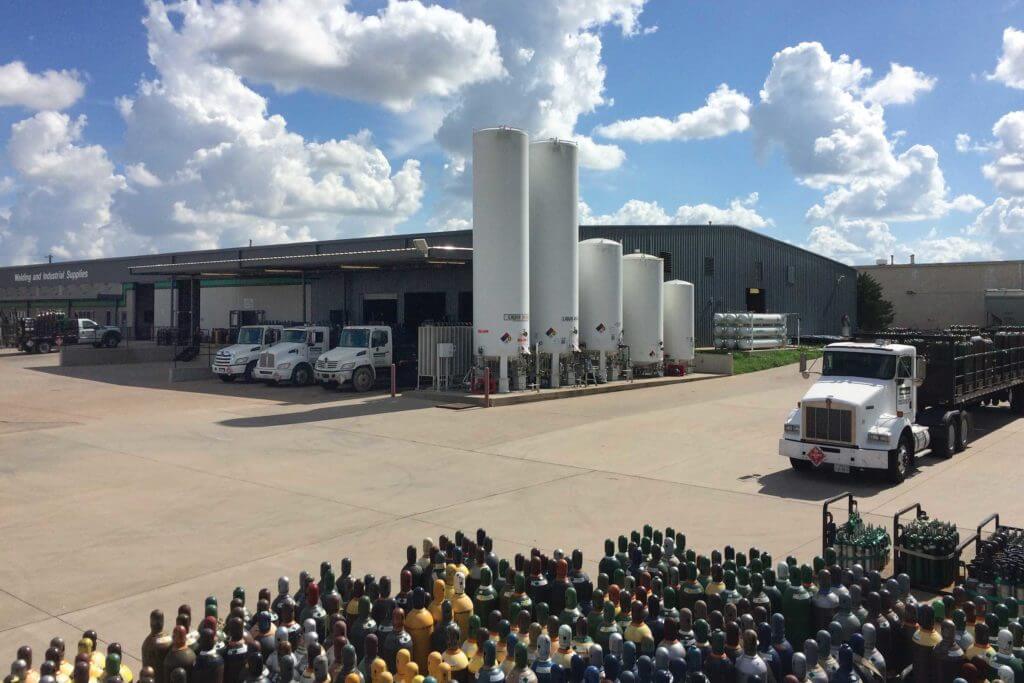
<point x="503" y="375"/>
<point x="556" y="376"/>
<point x="602" y="368"/>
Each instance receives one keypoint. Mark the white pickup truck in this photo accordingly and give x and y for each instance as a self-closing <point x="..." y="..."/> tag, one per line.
<point x="363" y="353"/>
<point x="240" y="358"/>
<point x="292" y="358"/>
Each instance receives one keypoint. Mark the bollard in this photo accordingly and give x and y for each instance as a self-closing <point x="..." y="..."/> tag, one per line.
<point x="394" y="380"/>
<point x="487" y="387"/>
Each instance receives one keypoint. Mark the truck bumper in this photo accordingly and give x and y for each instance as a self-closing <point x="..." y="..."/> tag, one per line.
<point x="272" y="374"/>
<point x="862" y="458"/>
<point x="339" y="376"/>
<point x="228" y="369"/>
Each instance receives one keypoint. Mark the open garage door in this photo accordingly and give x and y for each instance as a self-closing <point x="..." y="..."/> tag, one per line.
<point x="423" y="306"/>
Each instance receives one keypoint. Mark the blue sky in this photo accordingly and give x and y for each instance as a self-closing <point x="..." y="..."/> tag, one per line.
<point x="164" y="127"/>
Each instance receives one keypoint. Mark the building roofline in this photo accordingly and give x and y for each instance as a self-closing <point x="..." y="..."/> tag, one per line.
<point x="876" y="266"/>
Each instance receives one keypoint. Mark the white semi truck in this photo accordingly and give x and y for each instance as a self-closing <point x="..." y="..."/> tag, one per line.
<point x="293" y="357"/>
<point x="239" y="359"/>
<point x="879" y="405"/>
<point x="363" y="353"/>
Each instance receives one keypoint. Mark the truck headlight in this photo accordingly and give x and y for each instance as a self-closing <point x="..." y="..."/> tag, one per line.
<point x="240" y="359"/>
<point x="880" y="437"/>
<point x="284" y="366"/>
<point x="348" y="366"/>
<point x="792" y="428"/>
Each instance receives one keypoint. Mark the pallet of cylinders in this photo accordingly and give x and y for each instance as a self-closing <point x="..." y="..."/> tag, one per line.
<point x="643" y="313"/>
<point x="749" y="331"/>
<point x="501" y="258"/>
<point x="678" y="317"/>
<point x="600" y="292"/>
<point x="554" y="263"/>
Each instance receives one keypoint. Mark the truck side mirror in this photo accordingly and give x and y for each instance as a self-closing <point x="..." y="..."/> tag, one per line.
<point x="920" y="370"/>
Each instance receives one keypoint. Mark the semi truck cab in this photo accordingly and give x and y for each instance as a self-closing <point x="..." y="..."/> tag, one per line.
<point x="363" y="353"/>
<point x="240" y="358"/>
<point x="861" y="413"/>
<point x="293" y="357"/>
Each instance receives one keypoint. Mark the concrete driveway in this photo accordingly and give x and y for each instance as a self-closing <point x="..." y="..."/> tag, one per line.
<point x="119" y="493"/>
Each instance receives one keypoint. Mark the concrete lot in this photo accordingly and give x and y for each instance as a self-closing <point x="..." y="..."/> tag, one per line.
<point x="119" y="493"/>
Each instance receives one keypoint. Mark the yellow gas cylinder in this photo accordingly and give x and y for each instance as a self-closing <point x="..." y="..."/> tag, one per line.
<point x="637" y="629"/>
<point x="420" y="624"/>
<point x="386" y="677"/>
<point x="418" y="679"/>
<point x="462" y="604"/>
<point x="353" y="678"/>
<point x="414" y="672"/>
<point x="454" y="658"/>
<point x="444" y="673"/>
<point x="470" y="645"/>
<point x="85" y="647"/>
<point x="434" y="660"/>
<point x="437" y="597"/>
<point x="377" y="669"/>
<point x="402" y="660"/>
<point x="96" y="658"/>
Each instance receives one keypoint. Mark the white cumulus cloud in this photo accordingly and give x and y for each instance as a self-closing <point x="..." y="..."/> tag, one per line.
<point x="900" y="86"/>
<point x="1006" y="171"/>
<point x="1010" y="68"/>
<point x="405" y="51"/>
<point x="47" y="90"/>
<point x="725" y="111"/>
<point x="741" y="211"/>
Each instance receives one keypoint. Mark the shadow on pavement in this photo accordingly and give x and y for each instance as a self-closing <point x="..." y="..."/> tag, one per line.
<point x="155" y="376"/>
<point x="348" y="409"/>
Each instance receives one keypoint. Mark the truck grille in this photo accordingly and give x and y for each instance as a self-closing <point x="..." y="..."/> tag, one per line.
<point x="329" y="364"/>
<point x="828" y="424"/>
<point x="266" y="360"/>
<point x="222" y="361"/>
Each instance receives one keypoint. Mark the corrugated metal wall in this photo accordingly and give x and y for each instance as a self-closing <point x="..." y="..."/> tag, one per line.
<point x="817" y="289"/>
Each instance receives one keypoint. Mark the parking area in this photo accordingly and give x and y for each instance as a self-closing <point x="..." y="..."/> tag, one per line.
<point x="120" y="493"/>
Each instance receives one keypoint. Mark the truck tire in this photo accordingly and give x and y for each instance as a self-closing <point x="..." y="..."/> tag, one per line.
<point x="963" y="432"/>
<point x="800" y="465"/>
<point x="247" y="375"/>
<point x="362" y="380"/>
<point x="110" y="341"/>
<point x="43" y="347"/>
<point x="302" y="376"/>
<point x="901" y="461"/>
<point x="226" y="378"/>
<point x="944" y="438"/>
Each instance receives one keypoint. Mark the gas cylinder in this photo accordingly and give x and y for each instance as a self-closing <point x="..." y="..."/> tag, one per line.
<point x="825" y="603"/>
<point x="519" y="598"/>
<point x="156" y="645"/>
<point x="796" y="607"/>
<point x="542" y="663"/>
<point x="947" y="657"/>
<point x="462" y="605"/>
<point x="1004" y="654"/>
<point x="871" y="652"/>
<point x="453" y="655"/>
<point x="924" y="641"/>
<point x="420" y="625"/>
<point x="315" y="611"/>
<point x="749" y="665"/>
<point x="180" y="655"/>
<point x="570" y="611"/>
<point x="635" y="632"/>
<point x="826" y="660"/>
<point x="716" y="582"/>
<point x="521" y="671"/>
<point x="845" y="617"/>
<point x="470" y="645"/>
<point x="580" y="580"/>
<point x="437" y="598"/>
<point x="717" y="666"/>
<point x="476" y="662"/>
<point x="670" y="640"/>
<point x="782" y="647"/>
<point x="608" y="625"/>
<point x="537" y="586"/>
<point x="439" y="638"/>
<point x="563" y="655"/>
<point x="485" y="600"/>
<point x="398" y="639"/>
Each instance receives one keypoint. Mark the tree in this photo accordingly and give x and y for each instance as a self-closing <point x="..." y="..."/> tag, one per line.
<point x="874" y="312"/>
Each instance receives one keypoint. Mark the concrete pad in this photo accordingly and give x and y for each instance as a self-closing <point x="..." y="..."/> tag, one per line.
<point x="37" y="634"/>
<point x="15" y="612"/>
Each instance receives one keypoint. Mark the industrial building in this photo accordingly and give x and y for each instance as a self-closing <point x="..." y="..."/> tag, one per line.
<point x="935" y="295"/>
<point x="407" y="279"/>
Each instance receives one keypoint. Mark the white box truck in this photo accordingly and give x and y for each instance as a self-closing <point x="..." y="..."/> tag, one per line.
<point x="292" y="358"/>
<point x="239" y="359"/>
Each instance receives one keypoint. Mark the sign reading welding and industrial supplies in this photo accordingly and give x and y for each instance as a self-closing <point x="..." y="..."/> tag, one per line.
<point x="517" y="316"/>
<point x="51" y="276"/>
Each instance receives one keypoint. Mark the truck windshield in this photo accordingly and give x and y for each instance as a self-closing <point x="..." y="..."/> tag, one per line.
<point x="354" y="339"/>
<point x="856" y="364"/>
<point x="293" y="336"/>
<point x="250" y="335"/>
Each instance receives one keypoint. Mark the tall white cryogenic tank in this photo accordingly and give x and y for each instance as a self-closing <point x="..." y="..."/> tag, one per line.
<point x="642" y="312"/>
<point x="600" y="295"/>
<point x="554" y="235"/>
<point x="501" y="273"/>
<point x="678" y="302"/>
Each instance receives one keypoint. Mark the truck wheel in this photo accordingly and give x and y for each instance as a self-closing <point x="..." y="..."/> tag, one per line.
<point x="944" y="439"/>
<point x="43" y="347"/>
<point x="362" y="380"/>
<point x="226" y="378"/>
<point x="111" y="341"/>
<point x="247" y="375"/>
<point x="800" y="465"/>
<point x="963" y="432"/>
<point x="301" y="376"/>
<point x="901" y="461"/>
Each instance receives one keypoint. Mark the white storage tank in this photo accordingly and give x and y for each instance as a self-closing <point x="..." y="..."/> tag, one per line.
<point x="642" y="308"/>
<point x="601" y="302"/>
<point x="554" y="235"/>
<point x="501" y="277"/>
<point x="678" y="301"/>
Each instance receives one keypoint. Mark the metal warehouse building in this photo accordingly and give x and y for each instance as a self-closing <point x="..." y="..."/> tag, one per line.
<point x="407" y="279"/>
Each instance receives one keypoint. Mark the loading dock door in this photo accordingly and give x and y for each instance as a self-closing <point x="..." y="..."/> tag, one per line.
<point x="144" y="311"/>
<point x="423" y="306"/>
<point x="382" y="311"/>
<point x="756" y="300"/>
